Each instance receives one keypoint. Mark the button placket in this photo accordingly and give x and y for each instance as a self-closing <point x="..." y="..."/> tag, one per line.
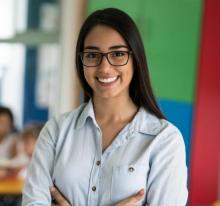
<point x="95" y="174"/>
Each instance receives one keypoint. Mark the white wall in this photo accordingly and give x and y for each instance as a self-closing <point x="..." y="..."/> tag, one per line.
<point x="12" y="19"/>
<point x="12" y="63"/>
<point x="72" y="15"/>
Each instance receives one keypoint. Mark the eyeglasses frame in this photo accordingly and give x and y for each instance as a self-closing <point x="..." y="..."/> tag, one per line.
<point x="106" y="56"/>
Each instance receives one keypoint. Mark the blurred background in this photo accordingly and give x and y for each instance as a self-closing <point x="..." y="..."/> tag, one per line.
<point x="182" y="42"/>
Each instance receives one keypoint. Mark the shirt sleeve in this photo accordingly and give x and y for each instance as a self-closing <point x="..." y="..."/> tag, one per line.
<point x="36" y="189"/>
<point x="167" y="180"/>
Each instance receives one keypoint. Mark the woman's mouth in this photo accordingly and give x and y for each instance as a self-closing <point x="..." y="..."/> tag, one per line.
<point x="107" y="81"/>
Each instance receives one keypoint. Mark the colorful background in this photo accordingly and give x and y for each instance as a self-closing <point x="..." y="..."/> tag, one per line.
<point x="171" y="38"/>
<point x="182" y="41"/>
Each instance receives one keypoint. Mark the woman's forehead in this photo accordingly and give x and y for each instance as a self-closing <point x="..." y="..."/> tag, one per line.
<point x="104" y="37"/>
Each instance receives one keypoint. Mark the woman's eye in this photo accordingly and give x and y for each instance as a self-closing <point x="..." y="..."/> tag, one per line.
<point x="118" y="54"/>
<point x="91" y="55"/>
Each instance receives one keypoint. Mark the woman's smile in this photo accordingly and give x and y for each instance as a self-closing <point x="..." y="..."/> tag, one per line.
<point x="107" y="81"/>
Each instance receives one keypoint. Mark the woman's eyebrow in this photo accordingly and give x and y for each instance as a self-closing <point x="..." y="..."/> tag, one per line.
<point x="92" y="47"/>
<point x="118" y="47"/>
<point x="110" y="48"/>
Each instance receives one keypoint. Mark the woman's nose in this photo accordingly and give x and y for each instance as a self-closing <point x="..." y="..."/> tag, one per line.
<point x="104" y="65"/>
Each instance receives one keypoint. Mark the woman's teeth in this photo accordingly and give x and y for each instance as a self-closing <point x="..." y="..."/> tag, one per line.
<point x="107" y="80"/>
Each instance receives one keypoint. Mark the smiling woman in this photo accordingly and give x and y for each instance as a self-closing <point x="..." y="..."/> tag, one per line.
<point x="116" y="148"/>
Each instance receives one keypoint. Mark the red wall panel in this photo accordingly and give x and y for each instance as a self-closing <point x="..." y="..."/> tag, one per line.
<point x="205" y="155"/>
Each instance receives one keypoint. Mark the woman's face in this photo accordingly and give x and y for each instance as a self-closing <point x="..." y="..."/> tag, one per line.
<point x="107" y="81"/>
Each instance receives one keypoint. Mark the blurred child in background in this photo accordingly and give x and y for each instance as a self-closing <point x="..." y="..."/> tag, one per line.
<point x="27" y="141"/>
<point x="15" y="148"/>
<point x="29" y="137"/>
<point x="7" y="140"/>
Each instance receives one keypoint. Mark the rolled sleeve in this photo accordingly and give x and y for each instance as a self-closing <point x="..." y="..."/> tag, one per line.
<point x="167" y="181"/>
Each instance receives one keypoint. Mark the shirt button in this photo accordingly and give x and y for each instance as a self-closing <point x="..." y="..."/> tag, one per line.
<point x="94" y="188"/>
<point x="131" y="169"/>
<point x="98" y="163"/>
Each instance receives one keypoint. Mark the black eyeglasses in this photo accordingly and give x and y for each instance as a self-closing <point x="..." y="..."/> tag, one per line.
<point x="115" y="58"/>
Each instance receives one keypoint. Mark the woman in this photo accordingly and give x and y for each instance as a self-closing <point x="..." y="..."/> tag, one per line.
<point x="117" y="148"/>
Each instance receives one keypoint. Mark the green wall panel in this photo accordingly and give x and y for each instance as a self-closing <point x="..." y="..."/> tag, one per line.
<point x="129" y="6"/>
<point x="170" y="30"/>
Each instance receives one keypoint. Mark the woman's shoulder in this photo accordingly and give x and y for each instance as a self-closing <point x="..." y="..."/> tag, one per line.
<point x="164" y="135"/>
<point x="160" y="128"/>
<point x="66" y="118"/>
<point x="74" y="114"/>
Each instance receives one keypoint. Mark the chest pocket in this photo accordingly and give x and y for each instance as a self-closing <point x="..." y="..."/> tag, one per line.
<point x="127" y="180"/>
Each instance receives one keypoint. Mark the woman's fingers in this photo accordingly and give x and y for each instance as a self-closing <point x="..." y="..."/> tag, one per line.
<point x="132" y="200"/>
<point x="137" y="197"/>
<point x="60" y="199"/>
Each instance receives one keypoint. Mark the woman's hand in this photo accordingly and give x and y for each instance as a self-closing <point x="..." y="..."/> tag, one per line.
<point x="132" y="200"/>
<point x="60" y="199"/>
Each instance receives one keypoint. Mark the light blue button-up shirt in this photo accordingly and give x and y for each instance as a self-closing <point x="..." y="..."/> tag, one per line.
<point x="148" y="153"/>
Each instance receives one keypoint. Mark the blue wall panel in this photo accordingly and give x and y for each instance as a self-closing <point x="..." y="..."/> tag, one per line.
<point x="180" y="114"/>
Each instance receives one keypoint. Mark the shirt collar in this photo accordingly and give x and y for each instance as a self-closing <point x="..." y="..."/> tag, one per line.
<point x="146" y="122"/>
<point x="143" y="122"/>
<point x="87" y="112"/>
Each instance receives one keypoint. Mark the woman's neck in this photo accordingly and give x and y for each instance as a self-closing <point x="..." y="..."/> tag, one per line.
<point x="117" y="109"/>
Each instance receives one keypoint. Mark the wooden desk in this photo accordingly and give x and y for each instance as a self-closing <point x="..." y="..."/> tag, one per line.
<point x="11" y="186"/>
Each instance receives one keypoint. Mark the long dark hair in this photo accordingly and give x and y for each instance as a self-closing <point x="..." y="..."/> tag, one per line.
<point x="140" y="88"/>
<point x="7" y="111"/>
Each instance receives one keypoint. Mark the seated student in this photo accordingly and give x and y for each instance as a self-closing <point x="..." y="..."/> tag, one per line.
<point x="15" y="149"/>
<point x="28" y="137"/>
<point x="25" y="144"/>
<point x="7" y="139"/>
<point x="27" y="140"/>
